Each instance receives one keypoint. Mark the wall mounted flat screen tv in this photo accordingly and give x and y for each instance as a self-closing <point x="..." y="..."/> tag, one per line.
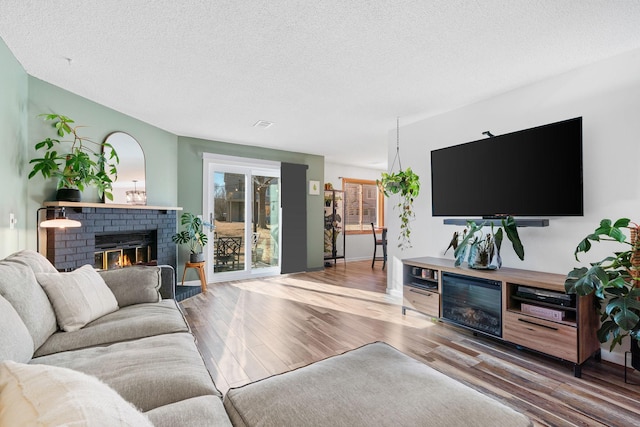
<point x="532" y="172"/>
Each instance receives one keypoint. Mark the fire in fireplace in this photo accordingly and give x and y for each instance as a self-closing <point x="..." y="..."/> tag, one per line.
<point x="119" y="250"/>
<point x="473" y="303"/>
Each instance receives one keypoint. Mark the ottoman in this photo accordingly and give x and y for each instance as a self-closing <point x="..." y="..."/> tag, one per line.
<point x="372" y="385"/>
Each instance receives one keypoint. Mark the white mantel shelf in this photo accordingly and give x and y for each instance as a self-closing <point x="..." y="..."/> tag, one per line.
<point x="108" y="206"/>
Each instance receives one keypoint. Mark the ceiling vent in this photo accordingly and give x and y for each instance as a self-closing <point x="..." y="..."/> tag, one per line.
<point x="263" y="124"/>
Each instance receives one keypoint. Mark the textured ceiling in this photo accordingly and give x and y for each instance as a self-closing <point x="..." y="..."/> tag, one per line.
<point x="332" y="75"/>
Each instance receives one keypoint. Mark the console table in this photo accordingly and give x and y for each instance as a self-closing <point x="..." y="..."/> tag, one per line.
<point x="525" y="322"/>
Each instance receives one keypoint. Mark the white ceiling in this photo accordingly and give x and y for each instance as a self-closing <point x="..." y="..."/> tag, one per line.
<point x="332" y="75"/>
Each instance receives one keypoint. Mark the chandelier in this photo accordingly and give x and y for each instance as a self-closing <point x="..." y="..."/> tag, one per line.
<point x="135" y="196"/>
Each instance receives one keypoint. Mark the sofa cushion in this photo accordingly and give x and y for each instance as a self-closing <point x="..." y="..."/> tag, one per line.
<point x="15" y="341"/>
<point x="133" y="285"/>
<point x="78" y="297"/>
<point x="203" y="411"/>
<point x="373" y="385"/>
<point x="148" y="372"/>
<point x="43" y="395"/>
<point x="32" y="259"/>
<point x="18" y="285"/>
<point x="134" y="321"/>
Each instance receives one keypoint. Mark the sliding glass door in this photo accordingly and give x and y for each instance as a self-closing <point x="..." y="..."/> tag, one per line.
<point x="243" y="202"/>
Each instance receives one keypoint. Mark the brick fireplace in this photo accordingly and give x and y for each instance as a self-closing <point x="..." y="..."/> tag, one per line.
<point x="113" y="236"/>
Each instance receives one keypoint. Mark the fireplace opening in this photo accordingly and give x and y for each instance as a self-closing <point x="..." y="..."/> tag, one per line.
<point x="119" y="250"/>
<point x="473" y="303"/>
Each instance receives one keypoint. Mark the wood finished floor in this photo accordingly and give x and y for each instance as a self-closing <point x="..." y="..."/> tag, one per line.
<point x="248" y="330"/>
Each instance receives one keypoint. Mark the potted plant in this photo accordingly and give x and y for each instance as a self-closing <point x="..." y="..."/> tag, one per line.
<point x="614" y="281"/>
<point x="407" y="184"/>
<point x="482" y="250"/>
<point x="84" y="163"/>
<point x="193" y="236"/>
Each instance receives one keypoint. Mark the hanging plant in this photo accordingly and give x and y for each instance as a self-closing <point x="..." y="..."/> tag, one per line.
<point x="405" y="183"/>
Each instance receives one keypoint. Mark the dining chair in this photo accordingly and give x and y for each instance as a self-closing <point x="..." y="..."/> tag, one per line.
<point x="382" y="241"/>
<point x="228" y="251"/>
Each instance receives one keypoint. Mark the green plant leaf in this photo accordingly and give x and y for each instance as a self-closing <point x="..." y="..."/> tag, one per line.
<point x="583" y="246"/>
<point x="622" y="223"/>
<point x="460" y="255"/>
<point x="453" y="243"/>
<point x="498" y="236"/>
<point x="608" y="327"/>
<point x="511" y="229"/>
<point x="624" y="311"/>
<point x="607" y="229"/>
<point x="583" y="281"/>
<point x="472" y="229"/>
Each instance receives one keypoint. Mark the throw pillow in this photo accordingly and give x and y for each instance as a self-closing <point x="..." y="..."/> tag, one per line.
<point x="78" y="297"/>
<point x="15" y="341"/>
<point x="45" y="395"/>
<point x="19" y="286"/>
<point x="133" y="285"/>
<point x="32" y="259"/>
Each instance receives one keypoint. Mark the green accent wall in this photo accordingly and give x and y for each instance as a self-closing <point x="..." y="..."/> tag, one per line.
<point x="159" y="146"/>
<point x="13" y="146"/>
<point x="173" y="163"/>
<point x="190" y="184"/>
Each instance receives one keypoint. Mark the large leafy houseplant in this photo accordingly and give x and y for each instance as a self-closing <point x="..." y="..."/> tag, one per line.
<point x="614" y="280"/>
<point x="482" y="250"/>
<point x="407" y="184"/>
<point x="80" y="163"/>
<point x="193" y="235"/>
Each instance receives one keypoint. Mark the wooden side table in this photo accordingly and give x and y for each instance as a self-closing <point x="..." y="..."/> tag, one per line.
<point x="198" y="266"/>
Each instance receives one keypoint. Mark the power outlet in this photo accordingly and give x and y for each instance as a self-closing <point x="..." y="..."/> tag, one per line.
<point x="12" y="221"/>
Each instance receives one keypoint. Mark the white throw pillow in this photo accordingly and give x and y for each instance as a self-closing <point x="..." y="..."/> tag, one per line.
<point x="45" y="395"/>
<point x="78" y="297"/>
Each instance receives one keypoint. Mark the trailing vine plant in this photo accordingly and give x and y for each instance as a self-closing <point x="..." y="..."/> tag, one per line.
<point x="405" y="183"/>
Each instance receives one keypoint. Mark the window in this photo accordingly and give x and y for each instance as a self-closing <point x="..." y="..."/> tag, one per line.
<point x="363" y="205"/>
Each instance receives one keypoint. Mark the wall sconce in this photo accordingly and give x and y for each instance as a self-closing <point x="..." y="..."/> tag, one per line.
<point x="59" y="220"/>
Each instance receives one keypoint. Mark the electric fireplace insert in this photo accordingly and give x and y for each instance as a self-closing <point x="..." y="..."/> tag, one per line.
<point x="473" y="303"/>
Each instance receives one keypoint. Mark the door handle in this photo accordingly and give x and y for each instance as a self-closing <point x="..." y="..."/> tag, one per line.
<point x="536" y="324"/>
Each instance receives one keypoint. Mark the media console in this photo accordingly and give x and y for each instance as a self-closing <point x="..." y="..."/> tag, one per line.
<point x="527" y="308"/>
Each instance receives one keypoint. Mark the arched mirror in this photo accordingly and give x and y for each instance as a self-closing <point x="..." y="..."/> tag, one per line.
<point x="129" y="188"/>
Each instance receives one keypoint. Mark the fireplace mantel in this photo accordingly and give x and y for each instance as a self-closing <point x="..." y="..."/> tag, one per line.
<point x="108" y="206"/>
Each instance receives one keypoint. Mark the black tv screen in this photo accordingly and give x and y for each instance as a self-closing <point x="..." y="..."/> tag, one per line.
<point x="532" y="172"/>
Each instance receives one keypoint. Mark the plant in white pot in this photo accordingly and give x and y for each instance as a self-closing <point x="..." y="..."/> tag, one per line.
<point x="80" y="163"/>
<point x="193" y="235"/>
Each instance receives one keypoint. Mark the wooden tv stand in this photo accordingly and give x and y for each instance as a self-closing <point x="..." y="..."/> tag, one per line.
<point x="572" y="339"/>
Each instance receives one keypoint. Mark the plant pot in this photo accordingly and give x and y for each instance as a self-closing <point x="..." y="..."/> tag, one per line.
<point x="68" y="195"/>
<point x="635" y="354"/>
<point x="483" y="261"/>
<point x="199" y="257"/>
